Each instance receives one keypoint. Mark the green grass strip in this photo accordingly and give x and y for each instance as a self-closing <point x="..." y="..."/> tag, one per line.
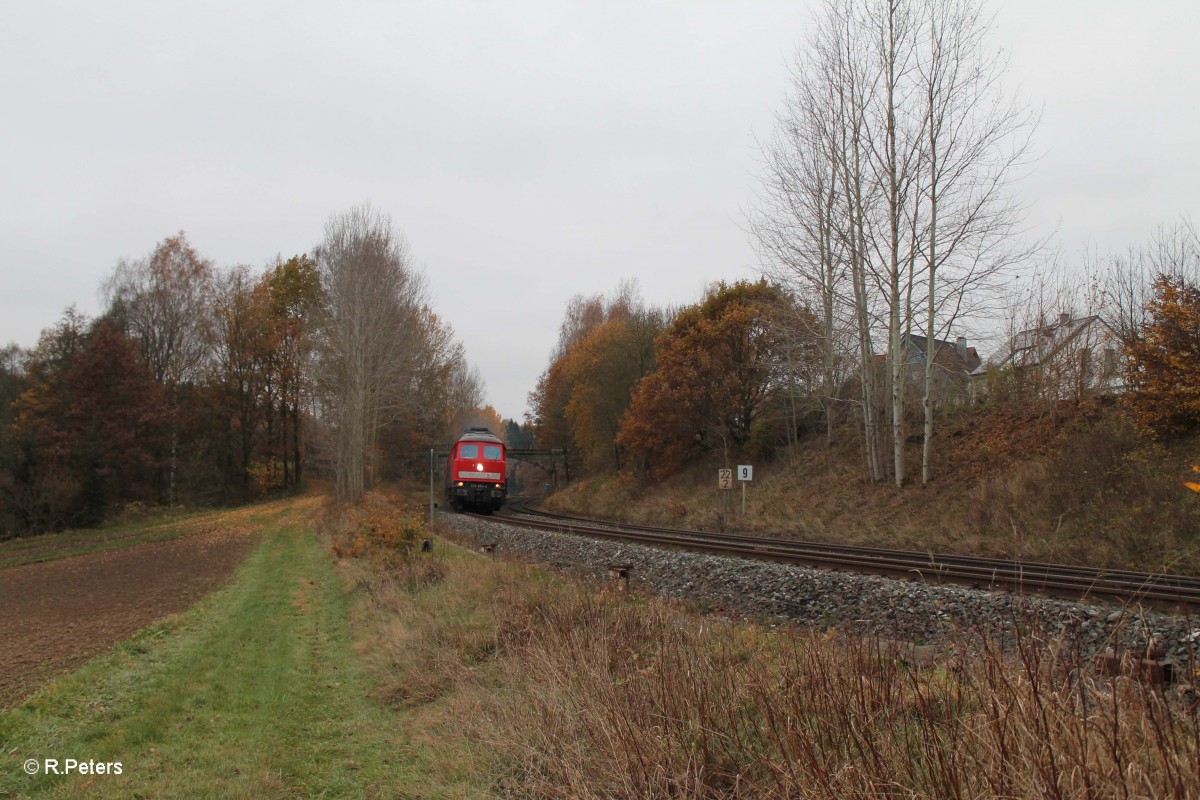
<point x="254" y="693"/>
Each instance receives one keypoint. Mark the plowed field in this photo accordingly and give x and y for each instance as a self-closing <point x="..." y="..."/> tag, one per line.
<point x="56" y="615"/>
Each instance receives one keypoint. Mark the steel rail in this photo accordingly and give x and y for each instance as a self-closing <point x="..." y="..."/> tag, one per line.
<point x="915" y="557"/>
<point x="1173" y="592"/>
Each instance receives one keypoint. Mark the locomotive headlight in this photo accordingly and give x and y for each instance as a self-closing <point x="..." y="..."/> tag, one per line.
<point x="479" y="467"/>
<point x="460" y="483"/>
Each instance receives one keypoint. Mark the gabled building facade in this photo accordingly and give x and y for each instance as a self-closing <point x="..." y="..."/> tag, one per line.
<point x="1069" y="359"/>
<point x="953" y="363"/>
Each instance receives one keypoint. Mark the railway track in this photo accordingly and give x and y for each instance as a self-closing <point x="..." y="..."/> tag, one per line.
<point x="1174" y="593"/>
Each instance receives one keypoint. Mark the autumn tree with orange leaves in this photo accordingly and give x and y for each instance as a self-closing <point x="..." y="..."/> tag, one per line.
<point x="604" y="367"/>
<point x="719" y="367"/>
<point x="605" y="346"/>
<point x="1164" y="361"/>
<point x="294" y="288"/>
<point x="204" y="385"/>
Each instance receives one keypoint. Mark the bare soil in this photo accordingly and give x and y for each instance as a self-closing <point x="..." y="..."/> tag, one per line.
<point x="56" y="615"/>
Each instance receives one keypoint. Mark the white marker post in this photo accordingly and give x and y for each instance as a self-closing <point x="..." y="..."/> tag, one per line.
<point x="745" y="475"/>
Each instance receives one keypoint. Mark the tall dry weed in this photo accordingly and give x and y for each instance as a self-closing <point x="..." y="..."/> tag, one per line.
<point x="628" y="701"/>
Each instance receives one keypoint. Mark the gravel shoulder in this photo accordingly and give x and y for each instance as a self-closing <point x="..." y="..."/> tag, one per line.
<point x="900" y="610"/>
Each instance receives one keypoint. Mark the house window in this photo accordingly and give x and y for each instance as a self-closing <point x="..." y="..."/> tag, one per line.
<point x="1110" y="361"/>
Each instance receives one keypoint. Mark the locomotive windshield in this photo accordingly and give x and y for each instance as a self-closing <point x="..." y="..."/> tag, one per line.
<point x="491" y="451"/>
<point x="468" y="451"/>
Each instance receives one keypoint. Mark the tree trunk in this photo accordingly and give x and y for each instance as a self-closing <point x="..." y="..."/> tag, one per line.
<point x="931" y="309"/>
<point x="896" y="345"/>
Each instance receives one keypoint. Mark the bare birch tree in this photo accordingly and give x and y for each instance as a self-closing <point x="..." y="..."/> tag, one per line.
<point x="888" y="176"/>
<point x="847" y="71"/>
<point x="892" y="27"/>
<point x="794" y="227"/>
<point x="977" y="139"/>
<point x="373" y="298"/>
<point x="811" y="227"/>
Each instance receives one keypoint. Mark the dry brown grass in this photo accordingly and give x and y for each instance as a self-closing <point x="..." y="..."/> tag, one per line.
<point x="539" y="688"/>
<point x="1072" y="484"/>
<point x="385" y="527"/>
<point x="623" y="701"/>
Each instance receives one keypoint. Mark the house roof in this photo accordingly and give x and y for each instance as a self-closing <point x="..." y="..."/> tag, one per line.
<point x="947" y="354"/>
<point x="1036" y="344"/>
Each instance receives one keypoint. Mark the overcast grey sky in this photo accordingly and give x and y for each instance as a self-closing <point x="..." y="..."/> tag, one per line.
<point x="528" y="151"/>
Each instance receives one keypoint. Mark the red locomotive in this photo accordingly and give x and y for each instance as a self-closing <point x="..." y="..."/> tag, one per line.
<point x="476" y="476"/>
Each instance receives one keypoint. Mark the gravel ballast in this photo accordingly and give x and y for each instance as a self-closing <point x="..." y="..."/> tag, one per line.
<point x="893" y="609"/>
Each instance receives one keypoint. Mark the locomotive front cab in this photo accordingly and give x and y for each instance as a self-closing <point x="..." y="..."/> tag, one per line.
<point x="476" y="475"/>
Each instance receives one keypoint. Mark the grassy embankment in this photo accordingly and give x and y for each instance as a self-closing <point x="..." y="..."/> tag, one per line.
<point x="1076" y="484"/>
<point x="255" y="692"/>
<point x="448" y="675"/>
<point x="581" y="692"/>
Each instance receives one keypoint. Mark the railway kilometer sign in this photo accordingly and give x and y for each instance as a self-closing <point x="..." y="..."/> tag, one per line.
<point x="725" y="478"/>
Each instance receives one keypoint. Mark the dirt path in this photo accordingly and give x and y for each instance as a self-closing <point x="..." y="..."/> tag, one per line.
<point x="58" y="614"/>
